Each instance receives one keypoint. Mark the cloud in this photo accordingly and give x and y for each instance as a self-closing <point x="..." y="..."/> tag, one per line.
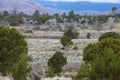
<point x="111" y="1"/>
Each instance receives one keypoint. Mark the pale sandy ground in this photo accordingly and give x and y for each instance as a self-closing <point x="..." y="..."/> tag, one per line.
<point x="42" y="49"/>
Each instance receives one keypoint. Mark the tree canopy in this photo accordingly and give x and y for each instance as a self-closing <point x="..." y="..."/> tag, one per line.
<point x="66" y="41"/>
<point x="91" y="51"/>
<point x="12" y="46"/>
<point x="109" y="35"/>
<point x="71" y="33"/>
<point x="102" y="61"/>
<point x="82" y="73"/>
<point x="105" y="67"/>
<point x="57" y="61"/>
<point x="21" y="69"/>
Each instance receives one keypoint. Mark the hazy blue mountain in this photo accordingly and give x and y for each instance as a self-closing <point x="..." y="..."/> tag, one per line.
<point x="82" y="6"/>
<point x="27" y="6"/>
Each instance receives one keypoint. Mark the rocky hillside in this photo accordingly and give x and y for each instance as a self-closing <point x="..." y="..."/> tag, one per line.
<point x="26" y="6"/>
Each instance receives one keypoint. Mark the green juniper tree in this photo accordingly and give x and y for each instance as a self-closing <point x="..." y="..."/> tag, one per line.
<point x="113" y="35"/>
<point x="12" y="47"/>
<point x="21" y="69"/>
<point x="66" y="41"/>
<point x="57" y="62"/>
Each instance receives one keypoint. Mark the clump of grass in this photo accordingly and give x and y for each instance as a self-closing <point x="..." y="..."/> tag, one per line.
<point x="75" y="48"/>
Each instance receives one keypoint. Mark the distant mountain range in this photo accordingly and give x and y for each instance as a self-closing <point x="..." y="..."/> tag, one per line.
<point x="79" y="7"/>
<point x="29" y="6"/>
<point x="26" y="6"/>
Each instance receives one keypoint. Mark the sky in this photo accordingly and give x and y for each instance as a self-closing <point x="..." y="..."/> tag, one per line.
<point x="111" y="1"/>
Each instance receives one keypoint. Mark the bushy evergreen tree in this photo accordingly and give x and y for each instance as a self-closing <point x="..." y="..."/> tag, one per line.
<point x="105" y="67"/>
<point x="91" y="51"/>
<point x="71" y="33"/>
<point x="57" y="62"/>
<point x="21" y="69"/>
<point x="113" y="35"/>
<point x="66" y="41"/>
<point x="12" y="46"/>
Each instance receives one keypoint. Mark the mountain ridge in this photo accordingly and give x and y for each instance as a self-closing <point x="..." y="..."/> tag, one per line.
<point x="80" y="6"/>
<point x="25" y="6"/>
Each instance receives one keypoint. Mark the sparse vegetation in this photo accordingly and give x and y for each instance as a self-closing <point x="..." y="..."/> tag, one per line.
<point x="75" y="48"/>
<point x="88" y="35"/>
<point x="16" y="19"/>
<point x="50" y="72"/>
<point x="101" y="59"/>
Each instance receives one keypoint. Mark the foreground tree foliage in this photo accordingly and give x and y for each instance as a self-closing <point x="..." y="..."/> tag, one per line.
<point x="109" y="35"/>
<point x="57" y="62"/>
<point x="105" y="67"/>
<point x="82" y="73"/>
<point x="12" y="47"/>
<point x="21" y="69"/>
<point x="93" y="50"/>
<point x="102" y="61"/>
